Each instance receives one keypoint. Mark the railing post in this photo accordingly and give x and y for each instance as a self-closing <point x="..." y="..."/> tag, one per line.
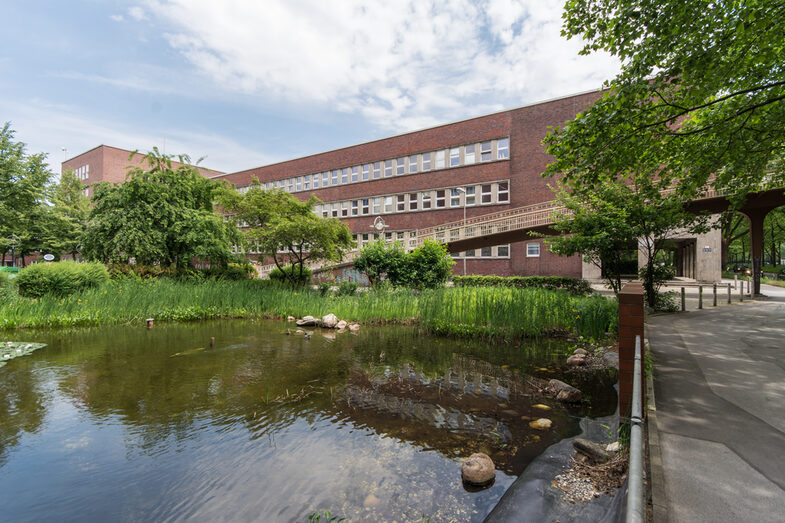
<point x="700" y="296"/>
<point x="631" y="318"/>
<point x="635" y="484"/>
<point x="735" y="281"/>
<point x="714" y="290"/>
<point x="749" y="286"/>
<point x="729" y="301"/>
<point x="683" y="300"/>
<point x="741" y="291"/>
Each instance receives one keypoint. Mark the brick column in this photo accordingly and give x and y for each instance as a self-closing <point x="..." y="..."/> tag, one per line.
<point x="630" y="325"/>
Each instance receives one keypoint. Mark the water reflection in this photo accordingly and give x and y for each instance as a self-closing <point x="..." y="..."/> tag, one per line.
<point x="386" y="411"/>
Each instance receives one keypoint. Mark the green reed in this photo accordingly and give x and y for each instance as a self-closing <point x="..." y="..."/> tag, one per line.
<point x="461" y="311"/>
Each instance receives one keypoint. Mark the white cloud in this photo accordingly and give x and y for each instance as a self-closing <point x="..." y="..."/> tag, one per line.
<point x="47" y="127"/>
<point x="137" y="13"/>
<point x="117" y="18"/>
<point x="401" y="64"/>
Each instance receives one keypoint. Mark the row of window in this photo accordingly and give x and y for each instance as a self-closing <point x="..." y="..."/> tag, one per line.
<point x="499" y="251"/>
<point x="452" y="197"/>
<point x="83" y="172"/>
<point x="417" y="163"/>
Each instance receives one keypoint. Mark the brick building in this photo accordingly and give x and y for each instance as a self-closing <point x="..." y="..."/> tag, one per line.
<point x="421" y="179"/>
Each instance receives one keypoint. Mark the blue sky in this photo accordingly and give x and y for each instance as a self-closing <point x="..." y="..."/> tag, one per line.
<point x="246" y="83"/>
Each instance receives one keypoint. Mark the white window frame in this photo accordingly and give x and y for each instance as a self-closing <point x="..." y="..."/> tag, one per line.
<point x="414" y="164"/>
<point x="426" y="162"/>
<point x="440" y="159"/>
<point x="486" y="152"/>
<point x="503" y="149"/>
<point x="400" y="166"/>
<point x="388" y="168"/>
<point x="366" y="172"/>
<point x="469" y="152"/>
<point x="533" y="250"/>
<point x="377" y="170"/>
<point x="455" y="157"/>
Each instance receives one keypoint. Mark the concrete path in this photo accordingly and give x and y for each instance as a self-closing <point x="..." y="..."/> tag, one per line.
<point x="719" y="381"/>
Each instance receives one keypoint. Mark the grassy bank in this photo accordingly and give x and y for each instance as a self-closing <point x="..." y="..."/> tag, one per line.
<point x="463" y="311"/>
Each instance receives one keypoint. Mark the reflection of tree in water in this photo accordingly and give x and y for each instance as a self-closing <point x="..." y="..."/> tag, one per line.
<point x="168" y="382"/>
<point x="23" y="406"/>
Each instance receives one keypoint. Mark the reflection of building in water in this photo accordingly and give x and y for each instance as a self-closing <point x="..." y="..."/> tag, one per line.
<point x="473" y="407"/>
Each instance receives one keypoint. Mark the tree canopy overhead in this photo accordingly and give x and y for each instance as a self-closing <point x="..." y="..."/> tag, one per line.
<point x="701" y="93"/>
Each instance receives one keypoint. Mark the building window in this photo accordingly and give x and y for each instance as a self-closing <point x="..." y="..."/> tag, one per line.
<point x="413" y="164"/>
<point x="503" y="149"/>
<point x="468" y="154"/>
<point x="355" y="173"/>
<point x="334" y="210"/>
<point x="325" y="179"/>
<point x="426" y="162"/>
<point x="485" y="252"/>
<point x="355" y="207"/>
<point x="440" y="202"/>
<point x="426" y="200"/>
<point x="387" y="168"/>
<point x="400" y="167"/>
<point x="455" y="157"/>
<point x="413" y="201"/>
<point x="470" y="199"/>
<point x="325" y="211"/>
<point x="503" y="251"/>
<point x="486" y="196"/>
<point x="401" y="207"/>
<point x="532" y="250"/>
<point x="440" y="159"/>
<point x="307" y="182"/>
<point x="335" y="177"/>
<point x="388" y="204"/>
<point x="503" y="192"/>
<point x="455" y="198"/>
<point x="344" y="209"/>
<point x="365" y="237"/>
<point x="345" y="175"/>
<point x="377" y="170"/>
<point x="316" y="181"/>
<point x="377" y="205"/>
<point x="366" y="172"/>
<point x="388" y="236"/>
<point x="291" y="184"/>
<point x="470" y="253"/>
<point x="485" y="151"/>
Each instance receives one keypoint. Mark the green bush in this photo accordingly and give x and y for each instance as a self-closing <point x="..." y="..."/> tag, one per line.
<point x="347" y="288"/>
<point x="60" y="278"/>
<point x="324" y="288"/>
<point x="7" y="287"/>
<point x="430" y="265"/>
<point x="232" y="271"/>
<point x="291" y="271"/>
<point x="573" y="285"/>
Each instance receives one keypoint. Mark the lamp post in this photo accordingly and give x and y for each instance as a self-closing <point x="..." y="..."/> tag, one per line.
<point x="463" y="190"/>
<point x="14" y="242"/>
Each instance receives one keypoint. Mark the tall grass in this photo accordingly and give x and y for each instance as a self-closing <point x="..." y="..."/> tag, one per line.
<point x="463" y="311"/>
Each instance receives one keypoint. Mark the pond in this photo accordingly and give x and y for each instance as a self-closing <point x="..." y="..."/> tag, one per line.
<point x="125" y="423"/>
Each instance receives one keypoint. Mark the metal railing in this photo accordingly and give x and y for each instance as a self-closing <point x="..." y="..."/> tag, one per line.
<point x="635" y="512"/>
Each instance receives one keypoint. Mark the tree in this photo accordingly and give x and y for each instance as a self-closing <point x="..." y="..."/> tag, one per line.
<point x="287" y="230"/>
<point x="602" y="222"/>
<point x="700" y="97"/>
<point x="160" y="216"/>
<point x="68" y="215"/>
<point x="430" y="265"/>
<point x="24" y="180"/>
<point x="380" y="259"/>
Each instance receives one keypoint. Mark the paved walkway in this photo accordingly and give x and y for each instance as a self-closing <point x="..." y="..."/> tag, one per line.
<point x="720" y="393"/>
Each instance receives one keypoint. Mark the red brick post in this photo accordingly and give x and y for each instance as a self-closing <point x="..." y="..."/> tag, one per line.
<point x="630" y="325"/>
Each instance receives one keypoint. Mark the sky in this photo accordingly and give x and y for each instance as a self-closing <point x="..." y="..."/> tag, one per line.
<point x="244" y="83"/>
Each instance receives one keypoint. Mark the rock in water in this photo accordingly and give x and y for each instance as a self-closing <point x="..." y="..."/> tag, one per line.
<point x="354" y="327"/>
<point x="580" y="352"/>
<point x="541" y="406"/>
<point x="307" y="321"/>
<point x="590" y="449"/>
<point x="564" y="392"/>
<point x="542" y="424"/>
<point x="341" y="325"/>
<point x="478" y="470"/>
<point x="371" y="501"/>
<point x="576" y="360"/>
<point x="290" y="318"/>
<point x="329" y="321"/>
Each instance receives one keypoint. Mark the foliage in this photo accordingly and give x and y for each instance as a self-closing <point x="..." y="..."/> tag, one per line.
<point x="599" y="223"/>
<point x="380" y="259"/>
<point x="324" y="287"/>
<point x="159" y="216"/>
<point x="7" y="287"/>
<point x="701" y="93"/>
<point x="667" y="302"/>
<point x="68" y="215"/>
<point x="347" y="288"/>
<point x="296" y="275"/>
<point x="287" y="230"/>
<point x="572" y="285"/>
<point x="487" y="312"/>
<point x="653" y="276"/>
<point x="430" y="265"/>
<point x="427" y="266"/>
<point x="231" y="271"/>
<point x="324" y="517"/>
<point x="60" y="279"/>
<point x="24" y="187"/>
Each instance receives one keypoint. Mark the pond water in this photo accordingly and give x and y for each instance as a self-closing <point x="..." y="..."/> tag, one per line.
<point x="122" y="423"/>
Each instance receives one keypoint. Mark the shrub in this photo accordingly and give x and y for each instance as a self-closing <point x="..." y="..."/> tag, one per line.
<point x="430" y="265"/>
<point x="347" y="288"/>
<point x="60" y="278"/>
<point x="379" y="258"/>
<point x="324" y="287"/>
<point x="573" y="285"/>
<point x="293" y="272"/>
<point x="232" y="271"/>
<point x="7" y="287"/>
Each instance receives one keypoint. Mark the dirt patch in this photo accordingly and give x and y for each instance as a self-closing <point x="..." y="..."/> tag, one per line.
<point x="584" y="481"/>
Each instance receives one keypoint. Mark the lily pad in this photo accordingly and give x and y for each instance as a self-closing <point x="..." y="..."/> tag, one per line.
<point x="14" y="349"/>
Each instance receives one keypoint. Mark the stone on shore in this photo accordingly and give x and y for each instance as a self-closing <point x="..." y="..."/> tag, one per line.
<point x="307" y="321"/>
<point x="329" y="321"/>
<point x="541" y="406"/>
<point x="591" y="450"/>
<point x="576" y="360"/>
<point x="371" y="501"/>
<point x="478" y="470"/>
<point x="341" y="325"/>
<point x="354" y="327"/>
<point x="290" y="318"/>
<point x="580" y="352"/>
<point x="564" y="392"/>
<point x="541" y="424"/>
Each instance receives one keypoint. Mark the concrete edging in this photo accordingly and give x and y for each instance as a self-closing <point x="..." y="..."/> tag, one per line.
<point x="656" y="473"/>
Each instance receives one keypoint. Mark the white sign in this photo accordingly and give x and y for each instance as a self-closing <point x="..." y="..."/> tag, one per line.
<point x="49" y="257"/>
